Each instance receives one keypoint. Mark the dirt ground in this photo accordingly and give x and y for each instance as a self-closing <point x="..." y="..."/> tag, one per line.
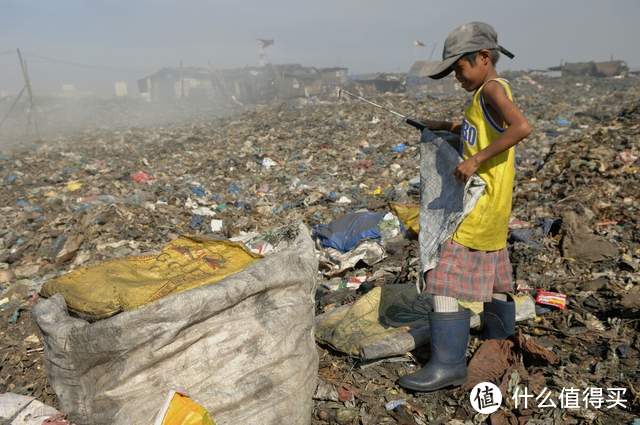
<point x="578" y="173"/>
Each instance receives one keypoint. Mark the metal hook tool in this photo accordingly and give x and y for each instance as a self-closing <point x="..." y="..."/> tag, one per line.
<point x="411" y="121"/>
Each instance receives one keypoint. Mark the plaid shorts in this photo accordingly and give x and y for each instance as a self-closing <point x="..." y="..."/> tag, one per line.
<point x="468" y="274"/>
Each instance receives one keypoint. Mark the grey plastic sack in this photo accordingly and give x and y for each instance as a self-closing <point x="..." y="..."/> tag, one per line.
<point x="243" y="347"/>
<point x="444" y="200"/>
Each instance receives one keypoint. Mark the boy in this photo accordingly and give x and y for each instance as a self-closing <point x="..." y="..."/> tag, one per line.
<point x="474" y="265"/>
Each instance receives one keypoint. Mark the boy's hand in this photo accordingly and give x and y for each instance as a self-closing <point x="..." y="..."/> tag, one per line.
<point x="453" y="127"/>
<point x="465" y="169"/>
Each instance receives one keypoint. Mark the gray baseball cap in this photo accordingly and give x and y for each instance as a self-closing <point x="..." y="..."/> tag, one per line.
<point x="467" y="38"/>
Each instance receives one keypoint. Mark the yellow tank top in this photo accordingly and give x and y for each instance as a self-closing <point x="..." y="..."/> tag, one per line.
<point x="486" y="227"/>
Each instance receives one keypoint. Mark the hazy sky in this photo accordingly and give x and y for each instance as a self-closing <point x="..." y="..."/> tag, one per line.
<point x="136" y="37"/>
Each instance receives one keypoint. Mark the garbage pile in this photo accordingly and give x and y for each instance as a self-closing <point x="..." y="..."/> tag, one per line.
<point x="55" y="117"/>
<point x="574" y="238"/>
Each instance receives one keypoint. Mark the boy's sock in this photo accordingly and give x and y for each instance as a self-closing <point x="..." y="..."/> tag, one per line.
<point x="442" y="304"/>
<point x="500" y="296"/>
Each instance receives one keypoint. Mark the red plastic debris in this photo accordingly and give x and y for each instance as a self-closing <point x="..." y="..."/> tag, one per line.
<point x="142" y="177"/>
<point x="553" y="299"/>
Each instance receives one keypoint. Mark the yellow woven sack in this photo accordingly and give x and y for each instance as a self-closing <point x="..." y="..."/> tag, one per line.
<point x="122" y="284"/>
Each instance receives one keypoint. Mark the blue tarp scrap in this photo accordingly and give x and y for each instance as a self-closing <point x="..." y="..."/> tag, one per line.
<point x="346" y="232"/>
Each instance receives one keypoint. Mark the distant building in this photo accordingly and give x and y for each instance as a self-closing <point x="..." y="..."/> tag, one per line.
<point x="169" y="84"/>
<point x="69" y="90"/>
<point x="121" y="88"/>
<point x="294" y="80"/>
<point x="242" y="85"/>
<point x="333" y="78"/>
<point x="593" y="69"/>
<point x="381" y="82"/>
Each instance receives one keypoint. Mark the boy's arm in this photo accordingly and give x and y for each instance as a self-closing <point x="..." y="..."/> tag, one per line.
<point x="453" y="127"/>
<point x="518" y="128"/>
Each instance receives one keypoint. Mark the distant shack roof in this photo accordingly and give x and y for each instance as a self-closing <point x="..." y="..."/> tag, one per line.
<point x="296" y="71"/>
<point x="594" y="69"/>
<point x="185" y="72"/>
<point x="379" y="76"/>
<point x="333" y="69"/>
<point x="611" y="68"/>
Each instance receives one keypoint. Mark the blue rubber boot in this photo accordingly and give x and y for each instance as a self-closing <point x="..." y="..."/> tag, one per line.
<point x="499" y="319"/>
<point x="447" y="365"/>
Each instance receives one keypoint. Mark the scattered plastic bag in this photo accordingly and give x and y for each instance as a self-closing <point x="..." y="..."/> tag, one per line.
<point x="409" y="215"/>
<point x="142" y="177"/>
<point x="18" y="409"/>
<point x="73" y="186"/>
<point x="334" y="262"/>
<point x="553" y="299"/>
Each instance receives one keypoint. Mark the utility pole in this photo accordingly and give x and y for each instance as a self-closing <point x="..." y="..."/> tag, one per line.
<point x="181" y="81"/>
<point x="262" y="54"/>
<point x="13" y="105"/>
<point x="27" y="85"/>
<point x="31" y="119"/>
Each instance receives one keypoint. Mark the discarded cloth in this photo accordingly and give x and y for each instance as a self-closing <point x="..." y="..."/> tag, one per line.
<point x="334" y="262"/>
<point x="392" y="320"/>
<point x="346" y="232"/>
<point x="580" y="243"/>
<point x="108" y="288"/>
<point x="444" y="200"/>
<point x="496" y="360"/>
<point x="361" y="331"/>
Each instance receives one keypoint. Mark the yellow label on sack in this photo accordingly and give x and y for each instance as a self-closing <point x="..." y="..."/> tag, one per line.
<point x="184" y="411"/>
<point x="127" y="283"/>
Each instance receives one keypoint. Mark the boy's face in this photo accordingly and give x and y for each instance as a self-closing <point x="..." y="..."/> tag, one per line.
<point x="471" y="76"/>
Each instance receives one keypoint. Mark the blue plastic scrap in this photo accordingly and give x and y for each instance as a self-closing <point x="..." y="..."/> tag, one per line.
<point x="196" y="221"/>
<point x="234" y="189"/>
<point x="198" y="190"/>
<point x="399" y="148"/>
<point x="346" y="232"/>
<point x="15" y="316"/>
